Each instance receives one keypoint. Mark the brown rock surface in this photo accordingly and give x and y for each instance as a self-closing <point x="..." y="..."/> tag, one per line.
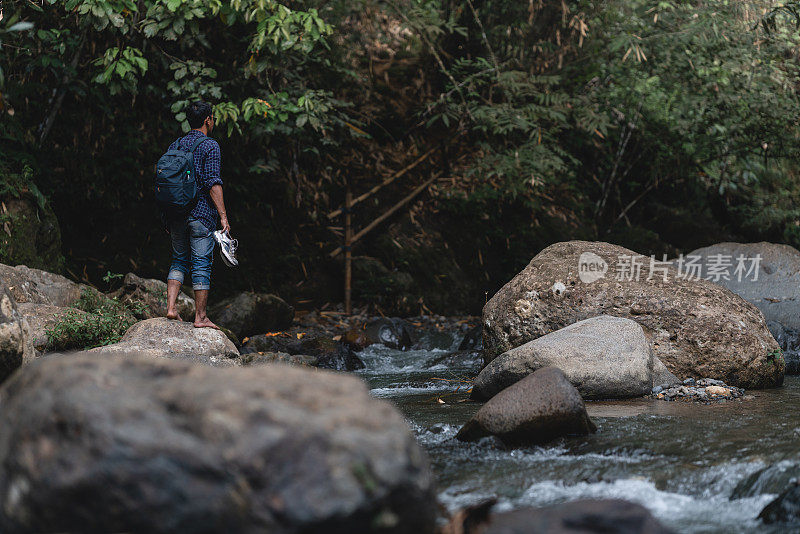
<point x="696" y="328"/>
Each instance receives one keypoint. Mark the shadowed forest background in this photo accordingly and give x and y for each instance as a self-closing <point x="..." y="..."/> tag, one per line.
<point x="661" y="126"/>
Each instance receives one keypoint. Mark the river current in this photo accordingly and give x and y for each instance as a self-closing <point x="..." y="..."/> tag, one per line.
<point x="680" y="460"/>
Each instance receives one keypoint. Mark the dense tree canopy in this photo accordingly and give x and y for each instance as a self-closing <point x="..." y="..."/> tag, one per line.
<point x="658" y="125"/>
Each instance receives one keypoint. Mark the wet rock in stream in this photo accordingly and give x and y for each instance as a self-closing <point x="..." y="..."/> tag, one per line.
<point x="772" y="479"/>
<point x="539" y="408"/>
<point x="577" y="517"/>
<point x="784" y="509"/>
<point x="605" y="357"/>
<point x="789" y="340"/>
<point x="473" y="339"/>
<point x="329" y="353"/>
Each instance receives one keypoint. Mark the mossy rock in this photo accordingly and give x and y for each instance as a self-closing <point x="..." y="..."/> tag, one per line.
<point x="230" y="335"/>
<point x="29" y="230"/>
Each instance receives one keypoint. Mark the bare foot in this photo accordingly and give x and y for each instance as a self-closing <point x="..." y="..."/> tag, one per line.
<point x="205" y="323"/>
<point x="174" y="316"/>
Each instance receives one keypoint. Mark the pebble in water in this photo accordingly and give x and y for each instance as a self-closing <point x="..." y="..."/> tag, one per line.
<point x="702" y="390"/>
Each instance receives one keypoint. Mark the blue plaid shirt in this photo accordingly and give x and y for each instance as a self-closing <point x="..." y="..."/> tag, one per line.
<point x="207" y="164"/>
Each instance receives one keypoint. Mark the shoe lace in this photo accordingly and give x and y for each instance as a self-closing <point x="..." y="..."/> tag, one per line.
<point x="233" y="244"/>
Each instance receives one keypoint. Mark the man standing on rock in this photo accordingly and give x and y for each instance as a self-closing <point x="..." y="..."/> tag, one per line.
<point x="192" y="234"/>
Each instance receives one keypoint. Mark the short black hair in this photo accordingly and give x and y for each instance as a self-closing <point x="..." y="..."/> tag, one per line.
<point x="198" y="112"/>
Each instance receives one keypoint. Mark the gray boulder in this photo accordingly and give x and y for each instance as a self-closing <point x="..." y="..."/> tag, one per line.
<point x="41" y="287"/>
<point x="16" y="345"/>
<point x="147" y="298"/>
<point x="605" y="357"/>
<point x="43" y="317"/>
<point x="249" y="314"/>
<point x="577" y="517"/>
<point x="776" y="287"/>
<point x="539" y="408"/>
<point x="695" y="327"/>
<point x="163" y="338"/>
<point x="103" y="443"/>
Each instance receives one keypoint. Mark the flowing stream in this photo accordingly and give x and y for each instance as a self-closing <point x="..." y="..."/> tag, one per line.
<point x="680" y="460"/>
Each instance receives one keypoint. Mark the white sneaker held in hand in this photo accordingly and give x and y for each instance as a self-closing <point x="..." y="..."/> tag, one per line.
<point x="227" y="248"/>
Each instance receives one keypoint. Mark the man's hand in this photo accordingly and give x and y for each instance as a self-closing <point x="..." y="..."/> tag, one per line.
<point x="223" y="220"/>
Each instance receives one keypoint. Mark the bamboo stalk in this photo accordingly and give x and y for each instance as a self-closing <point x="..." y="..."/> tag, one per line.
<point x="386" y="182"/>
<point x="348" y="254"/>
<point x="387" y="214"/>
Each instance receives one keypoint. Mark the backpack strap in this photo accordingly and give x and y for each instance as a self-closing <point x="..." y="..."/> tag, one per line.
<point x="194" y="145"/>
<point x="198" y="143"/>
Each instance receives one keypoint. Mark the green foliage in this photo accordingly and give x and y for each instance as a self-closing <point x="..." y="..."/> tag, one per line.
<point x="18" y="184"/>
<point x="110" y="277"/>
<point x="121" y="69"/>
<point x="9" y="26"/>
<point x="602" y="113"/>
<point x="616" y="100"/>
<point x="104" y="323"/>
<point x="775" y="356"/>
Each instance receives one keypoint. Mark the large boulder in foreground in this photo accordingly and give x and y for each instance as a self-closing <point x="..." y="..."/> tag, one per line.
<point x="578" y="517"/>
<point x="163" y="338"/>
<point x="16" y="345"/>
<point x="605" y="357"/>
<point x="102" y="443"/>
<point x="249" y="314"/>
<point x="539" y="408"/>
<point x="147" y="298"/>
<point x="695" y="327"/>
<point x="42" y="287"/>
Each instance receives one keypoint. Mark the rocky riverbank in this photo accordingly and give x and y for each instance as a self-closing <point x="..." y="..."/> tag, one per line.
<point x="704" y="390"/>
<point x="293" y="447"/>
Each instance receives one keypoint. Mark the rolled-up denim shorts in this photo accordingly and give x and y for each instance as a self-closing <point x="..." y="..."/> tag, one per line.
<point x="192" y="252"/>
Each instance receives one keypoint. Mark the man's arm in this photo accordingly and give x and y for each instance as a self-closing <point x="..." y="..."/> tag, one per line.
<point x="213" y="183"/>
<point x="216" y="197"/>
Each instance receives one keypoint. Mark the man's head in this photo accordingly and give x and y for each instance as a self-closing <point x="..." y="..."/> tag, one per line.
<point x="199" y="114"/>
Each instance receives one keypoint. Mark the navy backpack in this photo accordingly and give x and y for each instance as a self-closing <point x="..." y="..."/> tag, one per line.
<point x="176" y="187"/>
